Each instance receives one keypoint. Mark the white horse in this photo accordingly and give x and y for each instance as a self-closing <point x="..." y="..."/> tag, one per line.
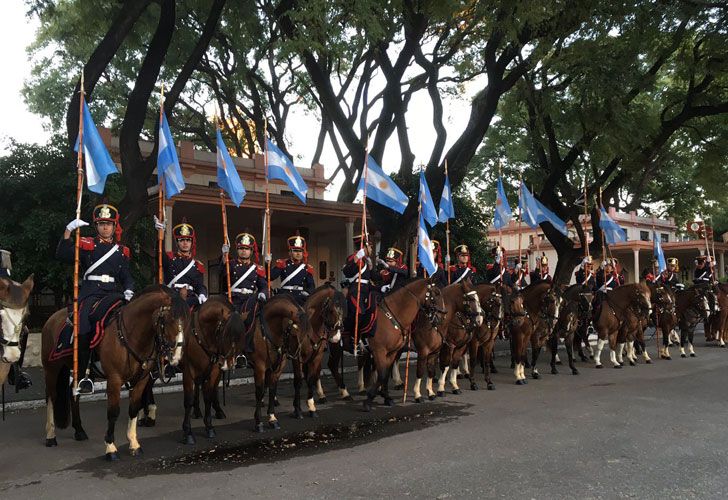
<point x="13" y="311"/>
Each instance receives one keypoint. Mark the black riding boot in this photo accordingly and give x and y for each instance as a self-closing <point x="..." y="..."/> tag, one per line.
<point x="17" y="377"/>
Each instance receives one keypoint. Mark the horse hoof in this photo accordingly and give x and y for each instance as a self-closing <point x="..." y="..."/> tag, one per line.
<point x="322" y="401"/>
<point x="148" y="422"/>
<point x="313" y="414"/>
<point x="363" y="392"/>
<point x="431" y="397"/>
<point x="618" y="367"/>
<point x="274" y="425"/>
<point x="418" y="400"/>
<point x="440" y="394"/>
<point x="632" y="363"/>
<point x="723" y="346"/>
<point x="211" y="434"/>
<point x="112" y="457"/>
<point x="491" y="387"/>
<point x="525" y="382"/>
<point x="399" y="387"/>
<point x="297" y="414"/>
<point x="276" y="402"/>
<point x="620" y="364"/>
<point x="457" y="392"/>
<point x="599" y="366"/>
<point x="349" y="398"/>
<point x="554" y="371"/>
<point x="558" y="362"/>
<point x="575" y="372"/>
<point x="137" y="452"/>
<point x="536" y="375"/>
<point x="50" y="443"/>
<point x="683" y="356"/>
<point x="519" y="382"/>
<point x="692" y="354"/>
<point x="473" y="386"/>
<point x="189" y="439"/>
<point x="259" y="428"/>
<point x="80" y="435"/>
<point x="367" y="405"/>
<point x="220" y="415"/>
<point x="648" y="362"/>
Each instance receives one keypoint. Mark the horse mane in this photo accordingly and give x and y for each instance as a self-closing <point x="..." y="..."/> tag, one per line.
<point x="284" y="297"/>
<point x="338" y="297"/>
<point x="156" y="288"/>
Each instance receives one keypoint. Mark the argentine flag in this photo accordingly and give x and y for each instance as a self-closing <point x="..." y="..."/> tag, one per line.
<point x="382" y="189"/>
<point x="612" y="232"/>
<point x="98" y="160"/>
<point x="447" y="210"/>
<point x="503" y="213"/>
<point x="168" y="169"/>
<point x="428" y="205"/>
<point x="533" y="212"/>
<point x="425" y="249"/>
<point x="280" y="167"/>
<point x="659" y="254"/>
<point x="227" y="175"/>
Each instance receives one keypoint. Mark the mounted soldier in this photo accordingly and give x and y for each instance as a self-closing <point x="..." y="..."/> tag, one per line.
<point x="703" y="279"/>
<point x="181" y="270"/>
<point x="295" y="274"/>
<point x="105" y="266"/>
<point x="542" y="273"/>
<point x="248" y="283"/>
<point x="519" y="273"/>
<point x="585" y="273"/>
<point x="440" y="276"/>
<point x="16" y="376"/>
<point x="669" y="276"/>
<point x="392" y="270"/>
<point x="462" y="269"/>
<point x="607" y="280"/>
<point x="496" y="273"/>
<point x="363" y="295"/>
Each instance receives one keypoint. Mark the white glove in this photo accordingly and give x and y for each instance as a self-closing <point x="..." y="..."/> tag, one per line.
<point x="447" y="259"/>
<point x="304" y="293"/>
<point x="225" y="248"/>
<point x="518" y="266"/>
<point x="261" y="296"/>
<point x="159" y="225"/>
<point x="202" y="298"/>
<point x="360" y="254"/>
<point x="381" y="262"/>
<point x="268" y="258"/>
<point x="128" y="295"/>
<point x="386" y="288"/>
<point x="75" y="224"/>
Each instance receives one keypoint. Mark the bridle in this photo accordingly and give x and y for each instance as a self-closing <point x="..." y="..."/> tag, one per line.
<point x="17" y="326"/>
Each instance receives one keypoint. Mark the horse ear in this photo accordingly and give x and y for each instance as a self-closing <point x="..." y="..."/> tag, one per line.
<point x="28" y="284"/>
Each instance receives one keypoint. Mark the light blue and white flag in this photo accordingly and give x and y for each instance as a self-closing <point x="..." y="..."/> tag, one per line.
<point x="426" y="201"/>
<point x="503" y="213"/>
<point x="447" y="210"/>
<point x="382" y="189"/>
<point x="612" y="232"/>
<point x="659" y="254"/>
<point x="168" y="169"/>
<point x="99" y="164"/>
<point x="281" y="167"/>
<point x="227" y="175"/>
<point x="533" y="212"/>
<point x="425" y="249"/>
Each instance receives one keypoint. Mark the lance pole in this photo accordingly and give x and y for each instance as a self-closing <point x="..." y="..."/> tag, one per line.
<point x="361" y="247"/>
<point x="447" y="239"/>
<point x="520" y="218"/>
<point x="266" y="221"/>
<point x="500" y="230"/>
<point x="604" y="249"/>
<point x="707" y="248"/>
<point x="586" y="216"/>
<point x="160" y="216"/>
<point x="225" y="238"/>
<point x="79" y="193"/>
<point x="655" y="271"/>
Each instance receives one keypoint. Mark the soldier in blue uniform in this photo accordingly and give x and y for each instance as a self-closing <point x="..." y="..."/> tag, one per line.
<point x="703" y="273"/>
<point x="295" y="274"/>
<point x="585" y="274"/>
<point x="542" y="273"/>
<point x="607" y="280"/>
<point x="519" y="273"/>
<point x="181" y="270"/>
<point x="16" y="376"/>
<point x="495" y="274"/>
<point x="669" y="277"/>
<point x="440" y="276"/>
<point x="392" y="270"/>
<point x="363" y="296"/>
<point x="104" y="263"/>
<point x="462" y="269"/>
<point x="248" y="282"/>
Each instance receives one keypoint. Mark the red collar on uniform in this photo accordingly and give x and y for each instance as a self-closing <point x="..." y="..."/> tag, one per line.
<point x="108" y="241"/>
<point x="180" y="254"/>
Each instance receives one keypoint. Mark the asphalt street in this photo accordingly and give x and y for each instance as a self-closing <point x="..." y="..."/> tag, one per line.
<point x="650" y="431"/>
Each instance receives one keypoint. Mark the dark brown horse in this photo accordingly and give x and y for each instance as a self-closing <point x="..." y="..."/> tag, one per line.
<point x="625" y="309"/>
<point x="325" y="308"/>
<point x="576" y="309"/>
<point x="212" y="344"/>
<point x="691" y="307"/>
<point x="663" y="316"/>
<point x="480" y="349"/>
<point x="716" y="327"/>
<point x="13" y="311"/>
<point x="278" y="334"/>
<point x="519" y="329"/>
<point x="542" y="301"/>
<point x="150" y="326"/>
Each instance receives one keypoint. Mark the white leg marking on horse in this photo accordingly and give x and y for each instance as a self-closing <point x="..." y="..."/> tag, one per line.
<point x="396" y="377"/>
<point x="428" y="384"/>
<point x="517" y="371"/>
<point x="320" y="389"/>
<point x="272" y="418"/>
<point x="557" y="359"/>
<point x="522" y="371"/>
<point x="620" y="350"/>
<point x="645" y="355"/>
<point x="343" y="393"/>
<point x="591" y="350"/>
<point x="667" y="351"/>
<point x="722" y="342"/>
<point x="682" y="351"/>
<point x="691" y="350"/>
<point x="111" y="448"/>
<point x="131" y="434"/>
<point x="454" y="378"/>
<point x="613" y="357"/>
<point x="416" y="388"/>
<point x="50" y="420"/>
<point x="152" y="412"/>
<point x="443" y="378"/>
<point x="465" y="363"/>
<point x="598" y="355"/>
<point x="360" y="380"/>
<point x="311" y="404"/>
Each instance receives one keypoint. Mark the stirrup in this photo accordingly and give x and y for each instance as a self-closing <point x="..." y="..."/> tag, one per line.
<point x="241" y="361"/>
<point x="85" y="386"/>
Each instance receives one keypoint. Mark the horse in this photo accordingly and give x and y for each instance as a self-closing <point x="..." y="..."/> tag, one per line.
<point x="150" y="326"/>
<point x="326" y="310"/>
<point x="14" y="299"/>
<point x="278" y="333"/>
<point x="482" y="344"/>
<point x="575" y="312"/>
<point x="519" y="329"/>
<point x="716" y="327"/>
<point x="623" y="310"/>
<point x="542" y="302"/>
<point x="664" y="318"/>
<point x="212" y="344"/>
<point x="691" y="306"/>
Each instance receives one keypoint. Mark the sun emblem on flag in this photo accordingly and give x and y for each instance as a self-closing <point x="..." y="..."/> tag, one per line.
<point x="498" y="201"/>
<point x="426" y="242"/>
<point x="383" y="184"/>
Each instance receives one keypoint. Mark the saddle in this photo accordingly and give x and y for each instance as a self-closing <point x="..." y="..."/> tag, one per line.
<point x="102" y="313"/>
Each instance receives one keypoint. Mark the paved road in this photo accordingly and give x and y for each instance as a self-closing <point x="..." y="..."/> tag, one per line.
<point x="655" y="431"/>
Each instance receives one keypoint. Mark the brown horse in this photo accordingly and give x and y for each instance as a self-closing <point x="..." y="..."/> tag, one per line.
<point x="150" y="326"/>
<point x="716" y="328"/>
<point x="519" y="329"/>
<point x="624" y="309"/>
<point x="213" y="342"/>
<point x="663" y="316"/>
<point x="691" y="306"/>
<point x="13" y="311"/>
<point x="480" y="349"/>
<point x="576" y="309"/>
<point x="278" y="334"/>
<point x="542" y="301"/>
<point x="325" y="308"/>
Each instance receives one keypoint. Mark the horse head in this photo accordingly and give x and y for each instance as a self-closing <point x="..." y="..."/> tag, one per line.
<point x="550" y="305"/>
<point x="491" y="302"/>
<point x="329" y="305"/>
<point x="13" y="311"/>
<point x="171" y="320"/>
<point x="471" y="303"/>
<point x="433" y="304"/>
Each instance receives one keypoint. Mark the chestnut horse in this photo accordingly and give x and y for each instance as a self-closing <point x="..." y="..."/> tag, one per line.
<point x="663" y="316"/>
<point x="519" y="329"/>
<point x="716" y="327"/>
<point x="152" y="325"/>
<point x="480" y="349"/>
<point x="213" y="342"/>
<point x="278" y="334"/>
<point x="542" y="302"/>
<point x="13" y="311"/>
<point x="625" y="309"/>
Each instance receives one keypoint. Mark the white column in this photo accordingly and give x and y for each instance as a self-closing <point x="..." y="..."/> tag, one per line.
<point x="349" y="237"/>
<point x="721" y="271"/>
<point x="636" y="278"/>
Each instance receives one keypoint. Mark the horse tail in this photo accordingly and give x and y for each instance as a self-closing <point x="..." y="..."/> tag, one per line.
<point x="62" y="404"/>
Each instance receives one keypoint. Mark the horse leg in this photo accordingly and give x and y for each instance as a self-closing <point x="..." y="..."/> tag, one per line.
<point x="473" y="350"/>
<point x="553" y="344"/>
<point x="613" y="350"/>
<point x="188" y="386"/>
<point x="149" y="406"/>
<point x="535" y="352"/>
<point x="691" y="349"/>
<point x="313" y="378"/>
<point x="454" y="370"/>
<point x="197" y="413"/>
<point x="396" y="376"/>
<point x="443" y="379"/>
<point x="113" y="395"/>
<point x="80" y="434"/>
<point x="259" y="374"/>
<point x="422" y="356"/>
<point x="56" y="388"/>
<point x="383" y="369"/>
<point x="336" y="352"/>
<point x="683" y="341"/>
<point x="362" y="373"/>
<point x="219" y="412"/>
<point x="209" y="389"/>
<point x="488" y="349"/>
<point x="135" y="405"/>
<point x="431" y="369"/>
<point x="297" y="381"/>
<point x="465" y="365"/>
<point x="272" y="392"/>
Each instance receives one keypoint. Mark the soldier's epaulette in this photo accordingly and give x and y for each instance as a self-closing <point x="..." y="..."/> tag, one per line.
<point x="488" y="267"/>
<point x="87" y="243"/>
<point x="200" y="266"/>
<point x="260" y="271"/>
<point x="170" y="255"/>
<point x="453" y="268"/>
<point x="309" y="269"/>
<point x="473" y="269"/>
<point x="281" y="264"/>
<point x="125" y="251"/>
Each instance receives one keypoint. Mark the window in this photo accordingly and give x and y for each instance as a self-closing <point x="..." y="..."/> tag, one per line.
<point x="644" y="236"/>
<point x="664" y="238"/>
